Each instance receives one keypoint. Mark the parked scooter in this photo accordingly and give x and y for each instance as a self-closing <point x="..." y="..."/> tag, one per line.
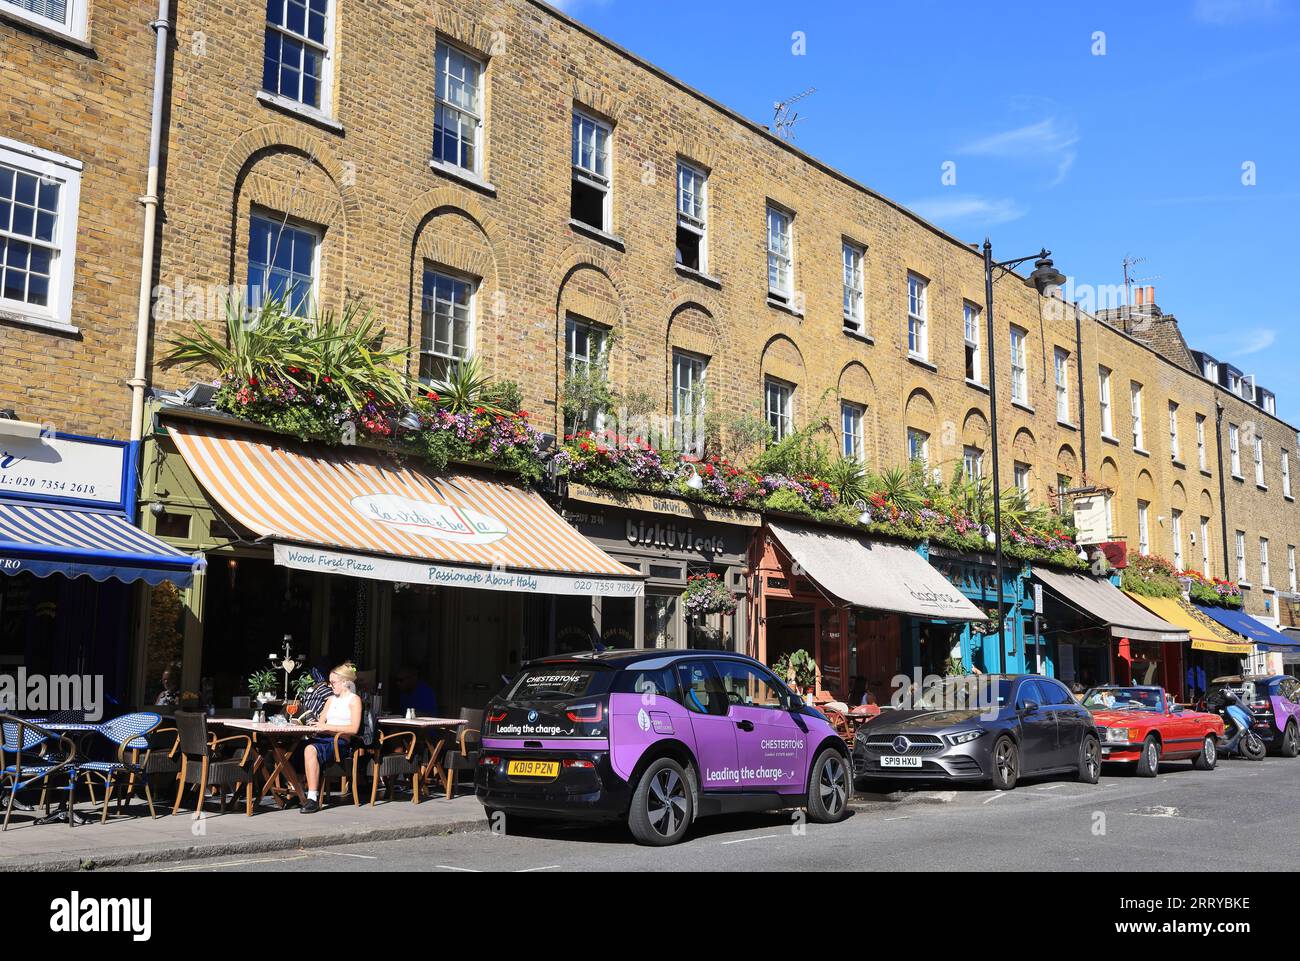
<point x="1239" y="740"/>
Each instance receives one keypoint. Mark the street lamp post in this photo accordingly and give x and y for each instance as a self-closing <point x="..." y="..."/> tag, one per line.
<point x="1044" y="276"/>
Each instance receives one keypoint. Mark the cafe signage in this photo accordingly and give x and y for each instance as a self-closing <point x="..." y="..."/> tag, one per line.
<point x="70" y="470"/>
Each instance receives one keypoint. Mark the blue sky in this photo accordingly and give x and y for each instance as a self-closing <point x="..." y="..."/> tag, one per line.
<point x="1139" y="151"/>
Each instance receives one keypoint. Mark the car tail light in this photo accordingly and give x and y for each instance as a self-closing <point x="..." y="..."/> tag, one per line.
<point x="586" y="713"/>
<point x="1262" y="707"/>
<point x="579" y="763"/>
<point x="497" y="718"/>
<point x="489" y="760"/>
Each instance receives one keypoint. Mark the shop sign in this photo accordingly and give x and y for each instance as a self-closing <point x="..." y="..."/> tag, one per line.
<point x="63" y="468"/>
<point x="450" y="575"/>
<point x="444" y="522"/>
<point x="642" y="533"/>
<point x="671" y="506"/>
<point x="618" y="529"/>
<point x="1090" y="519"/>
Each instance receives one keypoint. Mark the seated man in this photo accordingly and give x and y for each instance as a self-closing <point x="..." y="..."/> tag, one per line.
<point x="415" y="693"/>
<point x="340" y="715"/>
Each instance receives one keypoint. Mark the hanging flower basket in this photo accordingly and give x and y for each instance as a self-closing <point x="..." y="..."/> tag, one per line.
<point x="708" y="594"/>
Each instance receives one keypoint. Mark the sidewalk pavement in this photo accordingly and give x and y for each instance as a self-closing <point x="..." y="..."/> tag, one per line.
<point x="136" y="839"/>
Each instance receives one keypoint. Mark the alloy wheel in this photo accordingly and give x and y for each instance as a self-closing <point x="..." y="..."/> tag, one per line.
<point x="833" y="785"/>
<point x="1006" y="761"/>
<point x="1153" y="757"/>
<point x="1211" y="751"/>
<point x="1091" y="750"/>
<point x="667" y="803"/>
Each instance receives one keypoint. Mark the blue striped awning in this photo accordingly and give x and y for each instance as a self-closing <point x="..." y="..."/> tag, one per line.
<point x="55" y="540"/>
<point x="1265" y="638"/>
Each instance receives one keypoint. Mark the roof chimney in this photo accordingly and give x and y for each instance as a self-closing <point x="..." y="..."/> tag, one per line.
<point x="1139" y="296"/>
<point x="1151" y="296"/>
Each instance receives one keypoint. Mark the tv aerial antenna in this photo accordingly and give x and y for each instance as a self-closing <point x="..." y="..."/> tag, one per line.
<point x="784" y="118"/>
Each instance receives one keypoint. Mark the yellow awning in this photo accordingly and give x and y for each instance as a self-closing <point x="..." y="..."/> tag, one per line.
<point x="1204" y="636"/>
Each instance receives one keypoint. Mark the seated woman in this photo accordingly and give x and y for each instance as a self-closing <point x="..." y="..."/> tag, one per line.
<point x="340" y="715"/>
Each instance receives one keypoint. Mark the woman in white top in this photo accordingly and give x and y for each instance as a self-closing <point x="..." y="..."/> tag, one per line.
<point x="340" y="715"/>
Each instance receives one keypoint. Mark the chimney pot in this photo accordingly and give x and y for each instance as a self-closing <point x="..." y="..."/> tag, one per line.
<point x="1151" y="296"/>
<point x="1140" y="294"/>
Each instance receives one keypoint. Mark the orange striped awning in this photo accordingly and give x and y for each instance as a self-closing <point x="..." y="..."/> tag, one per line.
<point x="359" y="511"/>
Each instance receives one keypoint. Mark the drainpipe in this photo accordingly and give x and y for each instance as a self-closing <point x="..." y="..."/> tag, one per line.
<point x="1223" y="486"/>
<point x="1083" y="409"/>
<point x="139" y="380"/>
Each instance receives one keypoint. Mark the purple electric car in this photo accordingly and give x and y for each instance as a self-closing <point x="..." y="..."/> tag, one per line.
<point x="657" y="738"/>
<point x="1274" y="704"/>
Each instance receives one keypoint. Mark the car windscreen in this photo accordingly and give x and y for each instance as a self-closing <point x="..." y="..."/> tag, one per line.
<point x="1124" y="699"/>
<point x="557" y="682"/>
<point x="969" y="692"/>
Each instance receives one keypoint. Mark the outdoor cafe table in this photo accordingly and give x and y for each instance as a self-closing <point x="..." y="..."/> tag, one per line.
<point x="275" y="744"/>
<point x="433" y="731"/>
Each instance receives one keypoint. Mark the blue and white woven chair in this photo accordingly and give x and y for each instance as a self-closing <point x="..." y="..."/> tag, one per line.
<point x="31" y="756"/>
<point x="130" y="733"/>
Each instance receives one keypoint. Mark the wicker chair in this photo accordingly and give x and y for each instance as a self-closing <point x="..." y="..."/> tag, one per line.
<point x="202" y="764"/>
<point x="28" y="758"/>
<point x="464" y="756"/>
<point x="130" y="733"/>
<point x="393" y="757"/>
<point x="339" y="768"/>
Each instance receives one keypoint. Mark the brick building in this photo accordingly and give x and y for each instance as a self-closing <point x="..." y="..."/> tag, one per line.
<point x="497" y="178"/>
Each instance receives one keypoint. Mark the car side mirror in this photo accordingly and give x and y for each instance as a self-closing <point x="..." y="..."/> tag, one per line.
<point x="1028" y="707"/>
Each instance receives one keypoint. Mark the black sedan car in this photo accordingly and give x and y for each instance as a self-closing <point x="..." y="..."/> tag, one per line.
<point x="991" y="728"/>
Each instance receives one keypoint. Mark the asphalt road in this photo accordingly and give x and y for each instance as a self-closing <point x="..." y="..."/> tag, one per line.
<point x="1243" y="816"/>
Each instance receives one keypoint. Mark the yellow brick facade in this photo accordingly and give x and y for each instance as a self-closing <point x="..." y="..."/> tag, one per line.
<point x="361" y="177"/>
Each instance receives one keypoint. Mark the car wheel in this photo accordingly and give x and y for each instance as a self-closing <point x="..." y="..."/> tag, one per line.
<point x="1209" y="755"/>
<point x="828" y="788"/>
<point x="1149" y="763"/>
<point x="662" y="806"/>
<point x="1291" y="740"/>
<point x="1090" y="759"/>
<point x="1006" y="764"/>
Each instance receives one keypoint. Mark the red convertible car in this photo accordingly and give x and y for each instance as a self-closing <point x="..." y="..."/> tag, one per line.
<point x="1144" y="725"/>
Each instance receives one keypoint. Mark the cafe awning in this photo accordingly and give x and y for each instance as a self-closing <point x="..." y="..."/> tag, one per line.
<point x="101" y="545"/>
<point x="1263" y="636"/>
<point x="1102" y="601"/>
<point x="362" y="512"/>
<point x="1204" y="637"/>
<point x="873" y="574"/>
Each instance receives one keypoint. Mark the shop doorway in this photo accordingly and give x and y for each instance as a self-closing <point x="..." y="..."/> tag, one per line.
<point x="488" y="645"/>
<point x="791" y="627"/>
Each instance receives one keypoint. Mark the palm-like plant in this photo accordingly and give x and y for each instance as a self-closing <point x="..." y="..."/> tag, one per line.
<point x="262" y="344"/>
<point x="897" y="485"/>
<point x="465" y="388"/>
<point x="848" y="479"/>
<point x="348" y="348"/>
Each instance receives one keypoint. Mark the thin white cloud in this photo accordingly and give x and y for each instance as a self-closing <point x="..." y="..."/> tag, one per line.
<point x="1221" y="13"/>
<point x="1244" y="342"/>
<point x="988" y="211"/>
<point x="1050" y="140"/>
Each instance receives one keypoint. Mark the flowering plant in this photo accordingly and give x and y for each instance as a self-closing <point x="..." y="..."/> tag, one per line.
<point x="708" y="594"/>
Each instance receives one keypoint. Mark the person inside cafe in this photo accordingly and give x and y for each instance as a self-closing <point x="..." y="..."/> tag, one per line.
<point x="414" y="693"/>
<point x="170" y="695"/>
<point x="340" y="715"/>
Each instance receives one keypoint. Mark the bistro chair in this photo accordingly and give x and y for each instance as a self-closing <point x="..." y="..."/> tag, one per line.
<point x="34" y="761"/>
<point x="130" y="733"/>
<point x="393" y="757"/>
<point x="163" y="758"/>
<point x="204" y="766"/>
<point x="464" y="757"/>
<point x="345" y="771"/>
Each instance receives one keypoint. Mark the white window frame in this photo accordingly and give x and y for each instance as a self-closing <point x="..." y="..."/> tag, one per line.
<point x="1144" y="527"/>
<point x="1200" y="442"/>
<point x="1108" y="503"/>
<point x="690" y="375"/>
<point x="1020" y="472"/>
<point x="1234" y="450"/>
<point x="1205" y="546"/>
<point x="1286" y="473"/>
<point x="779" y="417"/>
<point x="1176" y="533"/>
<point x="854" y="256"/>
<point x="428" y="314"/>
<point x="442" y="53"/>
<point x="282" y="223"/>
<point x="780" y="253"/>
<point x="74" y="24"/>
<point x="1139" y="427"/>
<point x="972" y="463"/>
<point x="918" y="317"/>
<point x="1290" y="568"/>
<point x="918" y="440"/>
<point x="1259" y="461"/>
<point x="1174" y="451"/>
<point x="971" y="315"/>
<point x="852" y="435"/>
<point x="326" y="51"/>
<point x="1240" y="539"/>
<point x="1103" y="402"/>
<point x="598" y="176"/>
<point x="46" y="165"/>
<point x="693" y="206"/>
<point x="598" y="337"/>
<point x="1019" y="366"/>
<point x="1061" y="367"/>
<point x="1265" y="568"/>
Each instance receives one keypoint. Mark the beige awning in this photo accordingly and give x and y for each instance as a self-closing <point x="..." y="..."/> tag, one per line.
<point x="877" y="575"/>
<point x="1103" y="601"/>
